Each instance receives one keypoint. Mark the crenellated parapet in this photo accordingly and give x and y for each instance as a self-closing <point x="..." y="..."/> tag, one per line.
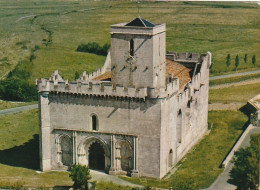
<point x="103" y="89"/>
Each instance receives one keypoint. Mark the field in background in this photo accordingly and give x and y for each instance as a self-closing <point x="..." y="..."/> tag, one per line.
<point x="241" y="93"/>
<point x="58" y="27"/>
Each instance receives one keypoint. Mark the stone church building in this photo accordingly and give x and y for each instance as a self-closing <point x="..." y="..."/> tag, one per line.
<point x="138" y="115"/>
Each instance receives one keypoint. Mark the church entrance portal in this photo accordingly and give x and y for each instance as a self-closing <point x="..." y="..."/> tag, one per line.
<point x="96" y="157"/>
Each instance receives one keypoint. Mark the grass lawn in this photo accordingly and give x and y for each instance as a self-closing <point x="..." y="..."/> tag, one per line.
<point x="7" y="104"/>
<point x="19" y="152"/>
<point x="221" y="27"/>
<point x="233" y="79"/>
<point x="201" y="164"/>
<point x="231" y="94"/>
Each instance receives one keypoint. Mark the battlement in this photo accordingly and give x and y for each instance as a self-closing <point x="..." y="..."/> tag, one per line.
<point x="103" y="89"/>
<point x="184" y="57"/>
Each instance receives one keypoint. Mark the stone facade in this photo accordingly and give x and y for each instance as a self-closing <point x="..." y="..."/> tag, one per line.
<point x="137" y="115"/>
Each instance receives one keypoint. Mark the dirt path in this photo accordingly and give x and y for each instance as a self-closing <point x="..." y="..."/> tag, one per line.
<point x="18" y="109"/>
<point x="250" y="81"/>
<point x="234" y="75"/>
<point x="221" y="106"/>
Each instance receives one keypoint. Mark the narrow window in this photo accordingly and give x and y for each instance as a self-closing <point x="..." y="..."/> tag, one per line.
<point x="132" y="47"/>
<point x="188" y="104"/>
<point x="94" y="122"/>
<point x="170" y="158"/>
<point x="179" y="126"/>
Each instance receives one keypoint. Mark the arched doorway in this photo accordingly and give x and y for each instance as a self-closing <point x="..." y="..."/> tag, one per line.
<point x="96" y="157"/>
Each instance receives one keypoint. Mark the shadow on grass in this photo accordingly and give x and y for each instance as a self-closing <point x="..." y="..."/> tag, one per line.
<point x="26" y="155"/>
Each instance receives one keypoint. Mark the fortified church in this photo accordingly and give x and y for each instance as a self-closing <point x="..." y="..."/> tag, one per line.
<point x="138" y="115"/>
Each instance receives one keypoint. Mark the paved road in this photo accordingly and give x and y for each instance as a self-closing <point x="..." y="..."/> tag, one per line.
<point x="18" y="109"/>
<point x="234" y="75"/>
<point x="221" y="182"/>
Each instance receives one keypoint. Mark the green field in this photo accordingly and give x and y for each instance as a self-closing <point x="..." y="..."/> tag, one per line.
<point x="234" y="79"/>
<point x="19" y="153"/>
<point x="58" y="27"/>
<point x="241" y="93"/>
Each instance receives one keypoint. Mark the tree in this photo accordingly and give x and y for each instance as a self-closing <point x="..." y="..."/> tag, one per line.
<point x="253" y="60"/>
<point x="76" y="75"/>
<point x="245" y="58"/>
<point x="228" y="60"/>
<point x="245" y="172"/>
<point x="236" y="62"/>
<point x="80" y="175"/>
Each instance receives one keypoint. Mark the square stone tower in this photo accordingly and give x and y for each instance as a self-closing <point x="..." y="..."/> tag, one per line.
<point x="138" y="54"/>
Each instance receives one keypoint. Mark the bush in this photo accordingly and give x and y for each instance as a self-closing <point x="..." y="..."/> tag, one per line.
<point x="80" y="175"/>
<point x="18" y="90"/>
<point x="93" y="47"/>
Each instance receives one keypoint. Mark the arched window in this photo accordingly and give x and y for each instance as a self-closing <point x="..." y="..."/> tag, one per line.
<point x="170" y="158"/>
<point x="94" y="122"/>
<point x="132" y="47"/>
<point x="179" y="126"/>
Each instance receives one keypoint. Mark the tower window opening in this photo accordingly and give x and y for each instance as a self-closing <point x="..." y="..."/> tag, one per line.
<point x="132" y="47"/>
<point x="94" y="122"/>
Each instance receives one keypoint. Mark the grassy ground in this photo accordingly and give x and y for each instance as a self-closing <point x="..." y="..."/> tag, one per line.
<point x="234" y="93"/>
<point x="7" y="104"/>
<point x="201" y="164"/>
<point x="58" y="27"/>
<point x="233" y="79"/>
<point x="19" y="152"/>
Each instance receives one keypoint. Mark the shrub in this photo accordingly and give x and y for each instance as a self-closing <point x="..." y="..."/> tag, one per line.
<point x="236" y="62"/>
<point x="93" y="47"/>
<point x="253" y="60"/>
<point x="228" y="60"/>
<point x="17" y="90"/>
<point x="80" y="175"/>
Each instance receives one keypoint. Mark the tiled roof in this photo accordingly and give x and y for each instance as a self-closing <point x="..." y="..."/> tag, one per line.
<point x="174" y="68"/>
<point x="140" y="22"/>
<point x="178" y="71"/>
<point x="105" y="76"/>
